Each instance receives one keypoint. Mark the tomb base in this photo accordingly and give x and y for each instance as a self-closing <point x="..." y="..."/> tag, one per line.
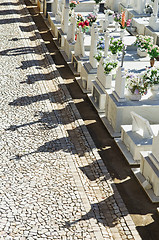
<point x="98" y="97"/>
<point x="78" y="61"/>
<point x="68" y="48"/>
<point x="88" y="74"/>
<point x="118" y="113"/>
<point x="61" y="38"/>
<point x="55" y="26"/>
<point x="126" y="153"/>
<point x="148" y="176"/>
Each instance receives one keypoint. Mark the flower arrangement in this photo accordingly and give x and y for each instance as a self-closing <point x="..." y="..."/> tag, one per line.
<point x="153" y="51"/>
<point x="117" y="17"/>
<point x="135" y="84"/>
<point x="73" y="4"/>
<point x="83" y="23"/>
<point x="101" y="44"/>
<point x="124" y="23"/>
<point x="143" y="42"/>
<point x="116" y="45"/>
<point x="109" y="66"/>
<point x="151" y="76"/>
<point x="99" y="55"/>
<point x="91" y="18"/>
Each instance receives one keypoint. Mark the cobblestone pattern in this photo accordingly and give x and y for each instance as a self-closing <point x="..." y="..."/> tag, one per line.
<point x="53" y="184"/>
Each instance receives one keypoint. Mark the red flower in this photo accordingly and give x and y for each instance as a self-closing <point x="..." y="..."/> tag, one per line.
<point x="86" y="23"/>
<point x="81" y="24"/>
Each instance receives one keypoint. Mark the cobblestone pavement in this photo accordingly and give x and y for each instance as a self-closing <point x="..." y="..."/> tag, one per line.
<point x="53" y="184"/>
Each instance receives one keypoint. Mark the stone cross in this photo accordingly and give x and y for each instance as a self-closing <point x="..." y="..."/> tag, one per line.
<point x="123" y="54"/>
<point x="107" y="40"/>
<point x="94" y="25"/>
<point x="79" y="45"/>
<point x="141" y="125"/>
<point x="93" y="48"/>
<point x="155" y="8"/>
<point x="72" y="29"/>
<point x="140" y="5"/>
<point x="119" y="92"/>
<point x="55" y="7"/>
<point x="65" y="17"/>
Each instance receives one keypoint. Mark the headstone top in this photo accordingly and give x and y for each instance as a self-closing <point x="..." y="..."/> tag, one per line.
<point x="141" y="125"/>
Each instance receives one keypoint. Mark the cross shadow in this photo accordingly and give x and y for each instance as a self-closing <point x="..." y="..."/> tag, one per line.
<point x="39" y="77"/>
<point x="45" y="119"/>
<point x="107" y="218"/>
<point x="27" y="100"/>
<point x="30" y="63"/>
<point x="19" y="51"/>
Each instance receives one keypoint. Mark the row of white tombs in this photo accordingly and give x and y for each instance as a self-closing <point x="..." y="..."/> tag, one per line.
<point x="132" y="119"/>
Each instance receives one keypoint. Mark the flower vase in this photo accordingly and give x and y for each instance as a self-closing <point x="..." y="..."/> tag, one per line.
<point x="114" y="57"/>
<point x="152" y="62"/>
<point x="116" y="26"/>
<point x="141" y="52"/>
<point x="134" y="97"/>
<point x="122" y="33"/>
<point x="155" y="92"/>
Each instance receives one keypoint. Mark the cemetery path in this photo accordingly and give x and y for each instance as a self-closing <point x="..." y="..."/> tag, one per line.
<point x="54" y="184"/>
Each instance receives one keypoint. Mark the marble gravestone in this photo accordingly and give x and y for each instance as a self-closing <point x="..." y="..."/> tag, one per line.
<point x="148" y="173"/>
<point x="154" y="21"/>
<point x="89" y="69"/>
<point x="136" y="137"/>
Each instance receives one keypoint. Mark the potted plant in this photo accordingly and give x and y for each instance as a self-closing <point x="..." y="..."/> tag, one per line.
<point x="153" y="52"/>
<point x="115" y="46"/>
<point x="136" y="86"/>
<point x="108" y="67"/>
<point x="143" y="43"/>
<point x="151" y="76"/>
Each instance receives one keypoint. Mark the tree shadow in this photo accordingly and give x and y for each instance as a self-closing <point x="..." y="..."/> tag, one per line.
<point x="107" y="218"/>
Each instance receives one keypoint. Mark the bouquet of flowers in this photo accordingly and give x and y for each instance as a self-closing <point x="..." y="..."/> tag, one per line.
<point x="117" y="17"/>
<point x="73" y="4"/>
<point x="116" y="45"/>
<point x="83" y="23"/>
<point x="143" y="42"/>
<point x="109" y="66"/>
<point x="99" y="55"/>
<point x="124" y="23"/>
<point x="101" y="44"/>
<point x="91" y="18"/>
<point x="135" y="84"/>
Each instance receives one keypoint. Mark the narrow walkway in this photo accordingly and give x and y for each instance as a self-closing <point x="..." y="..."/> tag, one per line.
<point x="53" y="183"/>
